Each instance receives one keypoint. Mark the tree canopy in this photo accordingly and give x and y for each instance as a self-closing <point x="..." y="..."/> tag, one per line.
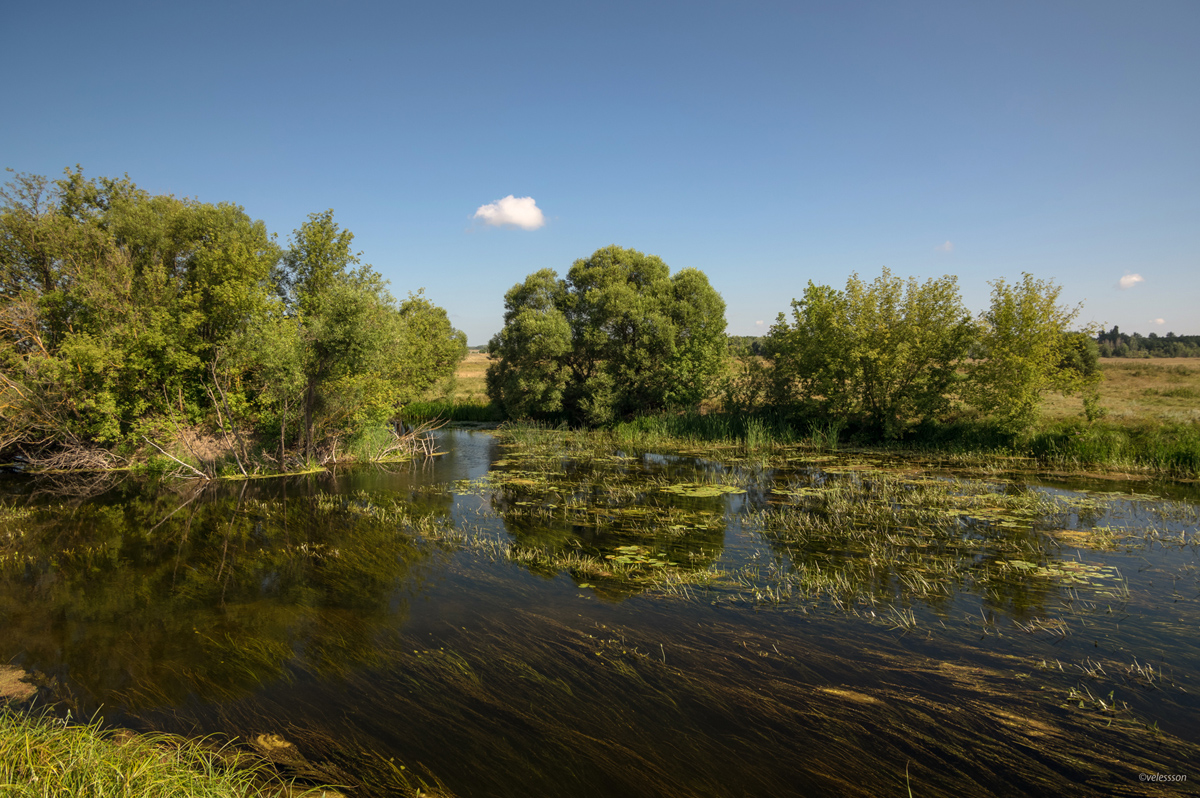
<point x="620" y="335"/>
<point x="883" y="353"/>
<point x="124" y="314"/>
<point x="1025" y="348"/>
<point x="890" y="353"/>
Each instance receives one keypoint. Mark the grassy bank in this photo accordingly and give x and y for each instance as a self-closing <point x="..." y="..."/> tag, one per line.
<point x="451" y="410"/>
<point x="1170" y="449"/>
<point x="43" y="756"/>
<point x="466" y="400"/>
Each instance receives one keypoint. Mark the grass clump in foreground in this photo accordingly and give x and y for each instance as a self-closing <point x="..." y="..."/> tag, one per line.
<point x="43" y="756"/>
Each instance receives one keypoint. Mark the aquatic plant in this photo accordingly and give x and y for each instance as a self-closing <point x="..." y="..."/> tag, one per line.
<point x="42" y="756"/>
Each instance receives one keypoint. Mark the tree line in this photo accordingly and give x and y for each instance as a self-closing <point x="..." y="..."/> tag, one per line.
<point x="1115" y="343"/>
<point x="128" y="318"/>
<point x="621" y="336"/>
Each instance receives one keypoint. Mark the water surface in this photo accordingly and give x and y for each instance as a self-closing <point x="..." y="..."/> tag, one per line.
<point x="540" y="622"/>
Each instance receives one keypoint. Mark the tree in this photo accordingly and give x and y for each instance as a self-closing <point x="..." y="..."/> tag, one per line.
<point x="361" y="355"/>
<point x="125" y="315"/>
<point x="115" y="302"/>
<point x="883" y="353"/>
<point x="619" y="336"/>
<point x="1025" y="350"/>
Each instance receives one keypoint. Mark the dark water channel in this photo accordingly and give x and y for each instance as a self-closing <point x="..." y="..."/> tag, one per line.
<point x="502" y="622"/>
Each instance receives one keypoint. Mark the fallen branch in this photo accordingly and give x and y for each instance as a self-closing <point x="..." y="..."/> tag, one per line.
<point x="195" y="471"/>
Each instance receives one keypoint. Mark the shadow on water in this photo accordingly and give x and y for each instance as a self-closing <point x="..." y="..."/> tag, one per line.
<point x="522" y="620"/>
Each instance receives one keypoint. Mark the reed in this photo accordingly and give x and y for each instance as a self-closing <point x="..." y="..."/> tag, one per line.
<point x="42" y="756"/>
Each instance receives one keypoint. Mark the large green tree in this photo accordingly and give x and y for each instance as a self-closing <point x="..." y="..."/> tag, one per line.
<point x="1026" y="348"/>
<point x="883" y="353"/>
<point x="115" y="302"/>
<point x="361" y="354"/>
<point x="619" y="336"/>
<point x="124" y="314"/>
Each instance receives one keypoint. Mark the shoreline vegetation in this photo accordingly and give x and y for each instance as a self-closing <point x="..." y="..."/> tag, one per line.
<point x="41" y="755"/>
<point x="172" y="337"/>
<point x="1149" y="426"/>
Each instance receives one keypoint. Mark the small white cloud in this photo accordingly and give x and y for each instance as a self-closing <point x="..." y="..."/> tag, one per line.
<point x="947" y="247"/>
<point x="1130" y="280"/>
<point x="758" y="324"/>
<point x="1158" y="322"/>
<point x="512" y="211"/>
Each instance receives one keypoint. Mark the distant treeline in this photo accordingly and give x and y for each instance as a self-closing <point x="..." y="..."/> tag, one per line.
<point x="1115" y="343"/>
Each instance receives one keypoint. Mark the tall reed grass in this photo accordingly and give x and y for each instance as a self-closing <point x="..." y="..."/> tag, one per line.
<point x="41" y="756"/>
<point x="452" y="410"/>
<point x="1167" y="448"/>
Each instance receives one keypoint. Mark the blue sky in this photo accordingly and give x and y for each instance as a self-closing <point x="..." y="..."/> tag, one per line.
<point x="767" y="144"/>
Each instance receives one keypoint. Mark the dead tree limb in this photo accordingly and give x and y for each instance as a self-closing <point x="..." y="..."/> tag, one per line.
<point x="195" y="471"/>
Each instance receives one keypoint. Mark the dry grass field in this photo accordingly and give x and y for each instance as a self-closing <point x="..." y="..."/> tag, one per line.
<point x="1140" y="390"/>
<point x="470" y="385"/>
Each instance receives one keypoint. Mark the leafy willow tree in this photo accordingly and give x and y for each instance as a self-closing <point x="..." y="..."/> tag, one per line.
<point x="619" y="336"/>
<point x="124" y="315"/>
<point x="361" y="355"/>
<point x="1025" y="349"/>
<point x="115" y="301"/>
<point x="882" y="353"/>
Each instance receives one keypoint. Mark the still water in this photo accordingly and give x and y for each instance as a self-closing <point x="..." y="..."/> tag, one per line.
<point x="508" y="621"/>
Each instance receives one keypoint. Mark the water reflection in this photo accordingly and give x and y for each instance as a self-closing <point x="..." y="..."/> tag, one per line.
<point x="147" y="597"/>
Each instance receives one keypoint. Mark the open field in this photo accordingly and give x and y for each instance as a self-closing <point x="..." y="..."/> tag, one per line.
<point x="1140" y="391"/>
<point x="470" y="382"/>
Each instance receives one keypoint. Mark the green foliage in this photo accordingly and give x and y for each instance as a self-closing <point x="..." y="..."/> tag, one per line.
<point x="619" y="336"/>
<point x="114" y="302"/>
<point x="883" y="353"/>
<point x="1026" y="349"/>
<point x="437" y="411"/>
<point x="123" y="314"/>
<point x="361" y="355"/>
<point x="41" y="757"/>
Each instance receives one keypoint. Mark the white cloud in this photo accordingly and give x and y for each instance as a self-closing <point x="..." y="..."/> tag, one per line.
<point x="512" y="211"/>
<point x="1159" y="322"/>
<point x="1130" y="280"/>
<point x="947" y="247"/>
<point x="758" y="324"/>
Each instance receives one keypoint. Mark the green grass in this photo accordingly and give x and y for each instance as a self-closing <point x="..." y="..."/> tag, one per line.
<point x="42" y="756"/>
<point x="452" y="410"/>
<point x="1161" y="447"/>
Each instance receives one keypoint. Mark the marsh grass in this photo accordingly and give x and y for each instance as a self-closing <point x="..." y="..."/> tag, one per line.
<point x="42" y="756"/>
<point x="856" y="533"/>
<point x="454" y="410"/>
